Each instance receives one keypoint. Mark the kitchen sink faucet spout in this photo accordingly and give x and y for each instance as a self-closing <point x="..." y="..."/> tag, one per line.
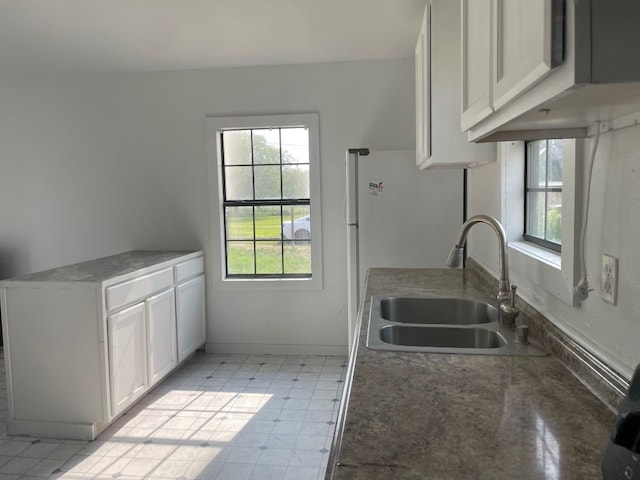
<point x="455" y="257"/>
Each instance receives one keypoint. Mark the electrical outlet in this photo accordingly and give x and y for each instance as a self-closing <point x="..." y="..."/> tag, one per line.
<point x="609" y="279"/>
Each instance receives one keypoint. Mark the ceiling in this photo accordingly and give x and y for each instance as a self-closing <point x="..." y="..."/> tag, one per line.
<point x="155" y="35"/>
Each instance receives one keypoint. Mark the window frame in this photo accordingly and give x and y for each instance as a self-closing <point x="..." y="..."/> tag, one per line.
<point x="215" y="127"/>
<point x="531" y="266"/>
<point x="543" y="242"/>
<point x="254" y="203"/>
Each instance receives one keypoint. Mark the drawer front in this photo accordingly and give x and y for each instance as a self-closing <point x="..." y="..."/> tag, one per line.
<point x="138" y="288"/>
<point x="189" y="268"/>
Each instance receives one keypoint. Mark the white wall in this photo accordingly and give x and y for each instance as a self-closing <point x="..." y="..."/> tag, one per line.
<point x="613" y="332"/>
<point x="93" y="166"/>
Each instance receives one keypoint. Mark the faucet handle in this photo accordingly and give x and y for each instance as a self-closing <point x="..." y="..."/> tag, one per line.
<point x="522" y="334"/>
<point x="508" y="311"/>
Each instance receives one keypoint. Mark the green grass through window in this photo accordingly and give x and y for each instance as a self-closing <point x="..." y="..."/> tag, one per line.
<point x="268" y="248"/>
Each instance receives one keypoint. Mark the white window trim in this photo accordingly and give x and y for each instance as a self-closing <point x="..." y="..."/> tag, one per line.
<point x="214" y="125"/>
<point x="531" y="267"/>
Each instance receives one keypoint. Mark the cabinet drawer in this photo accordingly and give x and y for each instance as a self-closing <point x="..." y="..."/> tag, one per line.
<point x="138" y="288"/>
<point x="188" y="269"/>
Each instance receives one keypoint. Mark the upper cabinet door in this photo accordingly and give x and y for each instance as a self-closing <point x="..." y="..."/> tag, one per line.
<point x="528" y="45"/>
<point x="423" y="91"/>
<point x="477" y="55"/>
<point x="440" y="143"/>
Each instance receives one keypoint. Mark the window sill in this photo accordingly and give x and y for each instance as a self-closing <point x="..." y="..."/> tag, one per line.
<point x="539" y="269"/>
<point x="280" y="284"/>
<point x="553" y="259"/>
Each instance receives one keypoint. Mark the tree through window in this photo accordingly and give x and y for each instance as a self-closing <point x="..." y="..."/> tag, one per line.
<point x="543" y="187"/>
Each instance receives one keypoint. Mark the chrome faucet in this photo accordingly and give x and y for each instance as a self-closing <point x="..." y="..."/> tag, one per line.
<point x="506" y="298"/>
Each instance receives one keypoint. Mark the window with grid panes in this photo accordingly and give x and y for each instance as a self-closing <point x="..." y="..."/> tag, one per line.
<point x="266" y="202"/>
<point x="543" y="191"/>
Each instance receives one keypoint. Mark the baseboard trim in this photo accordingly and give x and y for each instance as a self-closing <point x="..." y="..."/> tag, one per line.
<point x="275" y="349"/>
<point x="61" y="430"/>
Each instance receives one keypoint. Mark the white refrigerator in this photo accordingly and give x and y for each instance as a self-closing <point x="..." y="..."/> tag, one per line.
<point x="397" y="216"/>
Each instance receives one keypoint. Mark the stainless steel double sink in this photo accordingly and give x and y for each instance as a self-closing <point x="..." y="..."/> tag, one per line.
<point x="442" y="325"/>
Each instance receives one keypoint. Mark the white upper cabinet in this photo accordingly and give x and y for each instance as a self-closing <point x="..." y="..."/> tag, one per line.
<point x="476" y="48"/>
<point x="439" y="141"/>
<point x="527" y="47"/>
<point x="423" y="110"/>
<point x="556" y="67"/>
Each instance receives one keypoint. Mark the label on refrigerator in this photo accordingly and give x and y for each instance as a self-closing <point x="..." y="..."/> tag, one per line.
<point x="375" y="188"/>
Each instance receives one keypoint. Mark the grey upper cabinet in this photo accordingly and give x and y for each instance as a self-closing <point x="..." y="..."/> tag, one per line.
<point x="439" y="141"/>
<point x="556" y="67"/>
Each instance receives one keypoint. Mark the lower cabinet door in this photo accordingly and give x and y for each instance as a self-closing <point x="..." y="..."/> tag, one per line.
<point x="190" y="316"/>
<point x="161" y="334"/>
<point x="128" y="356"/>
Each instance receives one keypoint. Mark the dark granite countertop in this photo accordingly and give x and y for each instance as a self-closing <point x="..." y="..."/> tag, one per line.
<point x="439" y="416"/>
<point x="102" y="269"/>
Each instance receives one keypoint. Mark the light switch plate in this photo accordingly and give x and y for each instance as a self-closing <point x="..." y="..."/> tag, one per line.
<point x="609" y="279"/>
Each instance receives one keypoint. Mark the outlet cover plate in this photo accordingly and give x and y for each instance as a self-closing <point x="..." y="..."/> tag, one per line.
<point x="609" y="287"/>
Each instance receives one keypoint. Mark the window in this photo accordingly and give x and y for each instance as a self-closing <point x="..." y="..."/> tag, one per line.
<point x="543" y="192"/>
<point x="534" y="267"/>
<point x="267" y="180"/>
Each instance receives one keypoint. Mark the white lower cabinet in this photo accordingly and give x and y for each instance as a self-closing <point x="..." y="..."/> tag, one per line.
<point x="82" y="343"/>
<point x="127" y="356"/>
<point x="161" y="335"/>
<point x="190" y="313"/>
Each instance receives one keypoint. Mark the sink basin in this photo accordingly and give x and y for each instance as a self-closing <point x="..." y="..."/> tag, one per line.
<point x="448" y="337"/>
<point x="442" y="325"/>
<point x="426" y="310"/>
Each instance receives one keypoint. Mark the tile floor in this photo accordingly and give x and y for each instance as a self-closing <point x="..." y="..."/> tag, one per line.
<point x="237" y="417"/>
